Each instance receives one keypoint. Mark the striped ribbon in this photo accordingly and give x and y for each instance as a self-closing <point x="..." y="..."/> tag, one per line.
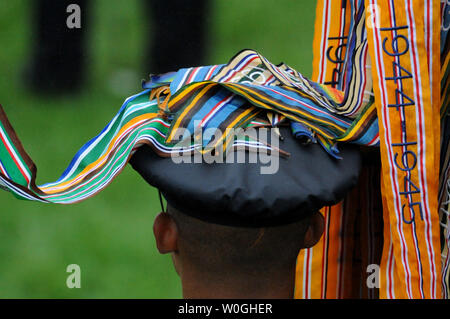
<point x="249" y="91"/>
<point x="326" y="270"/>
<point x="444" y="180"/>
<point x="401" y="53"/>
<point x="401" y="59"/>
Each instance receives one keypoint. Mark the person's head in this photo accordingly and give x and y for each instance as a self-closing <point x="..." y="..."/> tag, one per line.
<point x="243" y="260"/>
<point x="238" y="261"/>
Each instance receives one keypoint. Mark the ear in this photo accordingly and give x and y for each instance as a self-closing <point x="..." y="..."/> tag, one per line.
<point x="166" y="233"/>
<point x="315" y="230"/>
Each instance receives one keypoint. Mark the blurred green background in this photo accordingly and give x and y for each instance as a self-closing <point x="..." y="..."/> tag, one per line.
<point x="110" y="235"/>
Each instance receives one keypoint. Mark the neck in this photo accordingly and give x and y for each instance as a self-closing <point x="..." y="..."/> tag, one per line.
<point x="276" y="285"/>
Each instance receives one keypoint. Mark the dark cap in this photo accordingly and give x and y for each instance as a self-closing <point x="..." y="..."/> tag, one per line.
<point x="238" y="194"/>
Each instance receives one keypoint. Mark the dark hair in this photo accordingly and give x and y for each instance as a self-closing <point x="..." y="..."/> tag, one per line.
<point x="216" y="249"/>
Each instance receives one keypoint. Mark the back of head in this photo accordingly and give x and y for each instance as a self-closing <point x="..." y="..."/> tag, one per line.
<point x="218" y="250"/>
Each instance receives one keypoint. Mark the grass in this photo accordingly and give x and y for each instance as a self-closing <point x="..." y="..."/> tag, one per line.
<point x="110" y="235"/>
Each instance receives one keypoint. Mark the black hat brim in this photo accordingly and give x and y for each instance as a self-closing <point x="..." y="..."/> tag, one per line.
<point x="237" y="194"/>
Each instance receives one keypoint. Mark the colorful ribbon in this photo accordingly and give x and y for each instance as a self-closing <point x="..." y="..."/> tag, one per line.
<point x="399" y="47"/>
<point x="248" y="91"/>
